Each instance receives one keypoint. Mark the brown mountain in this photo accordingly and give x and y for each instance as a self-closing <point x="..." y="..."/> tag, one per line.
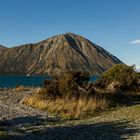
<point x="2" y="47"/>
<point x="55" y="55"/>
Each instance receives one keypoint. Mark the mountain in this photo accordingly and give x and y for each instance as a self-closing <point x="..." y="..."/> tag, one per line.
<point x="2" y="47"/>
<point x="55" y="55"/>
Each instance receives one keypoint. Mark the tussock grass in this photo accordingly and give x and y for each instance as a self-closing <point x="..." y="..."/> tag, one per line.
<point x="21" y="88"/>
<point x="73" y="108"/>
<point x="26" y="88"/>
<point x="82" y="107"/>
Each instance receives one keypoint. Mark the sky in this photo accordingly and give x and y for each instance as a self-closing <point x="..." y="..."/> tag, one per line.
<point x="112" y="24"/>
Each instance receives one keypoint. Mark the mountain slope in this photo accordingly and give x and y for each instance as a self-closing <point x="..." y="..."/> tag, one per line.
<point x="2" y="47"/>
<point x="55" y="55"/>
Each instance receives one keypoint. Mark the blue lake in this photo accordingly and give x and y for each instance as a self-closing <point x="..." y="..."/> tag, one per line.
<point x="33" y="81"/>
<point x="13" y="81"/>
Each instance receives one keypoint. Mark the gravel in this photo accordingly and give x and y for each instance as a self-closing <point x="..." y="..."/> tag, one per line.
<point x="11" y="106"/>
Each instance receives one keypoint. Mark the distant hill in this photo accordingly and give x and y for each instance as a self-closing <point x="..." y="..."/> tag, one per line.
<point x="2" y="47"/>
<point x="55" y="55"/>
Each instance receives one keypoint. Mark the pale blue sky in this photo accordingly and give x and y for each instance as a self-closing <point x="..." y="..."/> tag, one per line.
<point x="113" y="24"/>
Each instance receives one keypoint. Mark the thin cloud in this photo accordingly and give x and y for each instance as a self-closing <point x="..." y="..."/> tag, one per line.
<point x="135" y="42"/>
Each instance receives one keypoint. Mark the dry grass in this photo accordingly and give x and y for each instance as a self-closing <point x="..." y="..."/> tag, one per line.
<point x="21" y="88"/>
<point x="69" y="108"/>
<point x="35" y="101"/>
<point x="78" y="108"/>
<point x="26" y="88"/>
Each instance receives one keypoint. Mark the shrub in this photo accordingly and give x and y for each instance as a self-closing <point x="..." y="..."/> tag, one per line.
<point x="66" y="85"/>
<point x="50" y="90"/>
<point x="120" y="76"/>
<point x="69" y="83"/>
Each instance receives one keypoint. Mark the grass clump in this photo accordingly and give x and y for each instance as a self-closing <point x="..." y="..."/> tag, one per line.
<point x="76" y="108"/>
<point x="21" y="88"/>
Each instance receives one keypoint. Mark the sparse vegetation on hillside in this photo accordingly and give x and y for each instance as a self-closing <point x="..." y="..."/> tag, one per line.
<point x="58" y="53"/>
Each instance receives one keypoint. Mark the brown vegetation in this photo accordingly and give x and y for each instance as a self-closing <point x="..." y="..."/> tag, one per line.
<point x="66" y="86"/>
<point x="72" y="97"/>
<point x="69" y="109"/>
<point x="21" y="88"/>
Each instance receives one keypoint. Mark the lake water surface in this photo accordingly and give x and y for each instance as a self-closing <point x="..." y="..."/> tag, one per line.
<point x="13" y="81"/>
<point x="33" y="81"/>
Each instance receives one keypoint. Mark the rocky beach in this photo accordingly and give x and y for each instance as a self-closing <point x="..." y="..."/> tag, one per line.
<point x="18" y="121"/>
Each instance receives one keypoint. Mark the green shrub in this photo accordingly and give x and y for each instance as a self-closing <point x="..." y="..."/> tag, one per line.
<point x="122" y="76"/>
